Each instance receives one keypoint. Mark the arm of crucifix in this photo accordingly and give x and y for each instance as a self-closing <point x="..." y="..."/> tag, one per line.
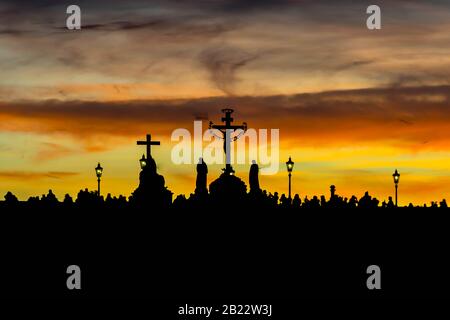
<point x="222" y="127"/>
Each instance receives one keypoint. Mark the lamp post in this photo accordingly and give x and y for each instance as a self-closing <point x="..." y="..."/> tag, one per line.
<point x="396" y="176"/>
<point x="143" y="162"/>
<point x="99" y="172"/>
<point x="290" y="166"/>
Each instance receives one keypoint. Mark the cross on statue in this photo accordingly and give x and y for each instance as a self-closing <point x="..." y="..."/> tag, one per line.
<point x="149" y="143"/>
<point x="227" y="129"/>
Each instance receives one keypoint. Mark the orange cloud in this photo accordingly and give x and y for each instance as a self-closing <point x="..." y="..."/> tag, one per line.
<point x="30" y="175"/>
<point x="415" y="118"/>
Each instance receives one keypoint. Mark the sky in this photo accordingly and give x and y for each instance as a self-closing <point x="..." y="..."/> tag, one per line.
<point x="351" y="104"/>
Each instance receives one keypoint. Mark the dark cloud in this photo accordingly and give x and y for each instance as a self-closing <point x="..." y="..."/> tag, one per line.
<point x="353" y="64"/>
<point x="325" y="104"/>
<point x="179" y="30"/>
<point x="165" y="16"/>
<point x="329" y="36"/>
<point x="419" y="77"/>
<point x="13" y="32"/>
<point x="222" y="64"/>
<point x="125" y="25"/>
<point x="246" y="6"/>
<point x="412" y="115"/>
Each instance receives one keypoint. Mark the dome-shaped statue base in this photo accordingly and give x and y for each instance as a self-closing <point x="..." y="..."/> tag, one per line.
<point x="227" y="190"/>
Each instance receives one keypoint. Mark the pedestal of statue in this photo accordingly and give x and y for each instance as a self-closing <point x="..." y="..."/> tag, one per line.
<point x="227" y="190"/>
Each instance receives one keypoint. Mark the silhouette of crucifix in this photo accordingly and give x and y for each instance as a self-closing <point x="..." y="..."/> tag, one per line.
<point x="149" y="143"/>
<point x="227" y="130"/>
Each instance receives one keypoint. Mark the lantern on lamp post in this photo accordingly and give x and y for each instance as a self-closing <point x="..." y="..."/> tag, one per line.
<point x="290" y="166"/>
<point x="396" y="177"/>
<point x="98" y="172"/>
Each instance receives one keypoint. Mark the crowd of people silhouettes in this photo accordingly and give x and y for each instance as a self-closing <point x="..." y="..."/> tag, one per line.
<point x="227" y="190"/>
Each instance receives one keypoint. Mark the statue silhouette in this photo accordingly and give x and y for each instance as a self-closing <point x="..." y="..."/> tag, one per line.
<point x="151" y="191"/>
<point x="332" y="191"/>
<point x="201" y="182"/>
<point x="149" y="179"/>
<point x="253" y="178"/>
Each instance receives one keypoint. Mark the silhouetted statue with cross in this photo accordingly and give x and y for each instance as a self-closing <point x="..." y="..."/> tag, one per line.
<point x="228" y="190"/>
<point x="152" y="191"/>
<point x="227" y="130"/>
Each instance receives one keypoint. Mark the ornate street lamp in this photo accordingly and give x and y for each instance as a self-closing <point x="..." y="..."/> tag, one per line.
<point x="99" y="172"/>
<point x="290" y="166"/>
<point x="143" y="162"/>
<point x="396" y="176"/>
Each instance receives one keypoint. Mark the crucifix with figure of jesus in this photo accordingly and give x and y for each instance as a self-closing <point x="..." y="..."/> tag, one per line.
<point x="227" y="129"/>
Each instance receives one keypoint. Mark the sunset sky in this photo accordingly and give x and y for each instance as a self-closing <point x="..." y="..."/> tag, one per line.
<point x="352" y="105"/>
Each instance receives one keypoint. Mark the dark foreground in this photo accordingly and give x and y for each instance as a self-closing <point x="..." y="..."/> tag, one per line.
<point x="223" y="257"/>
